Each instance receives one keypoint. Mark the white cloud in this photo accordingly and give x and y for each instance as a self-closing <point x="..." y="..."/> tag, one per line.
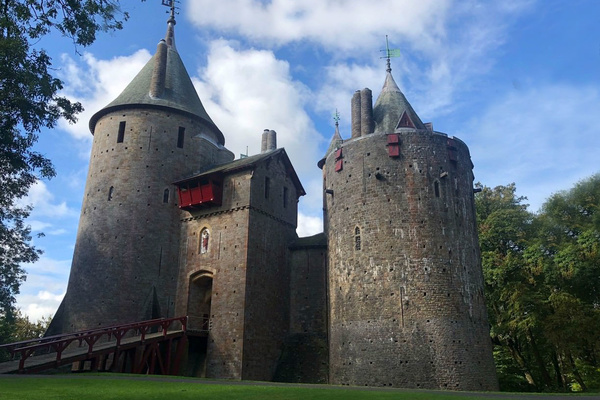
<point x="338" y="24"/>
<point x="41" y="294"/>
<point x="248" y="91"/>
<point x="43" y="304"/>
<point x="308" y="225"/>
<point x="435" y="77"/>
<point x="95" y="83"/>
<point x="43" y="204"/>
<point x="45" y="267"/>
<point x="534" y="138"/>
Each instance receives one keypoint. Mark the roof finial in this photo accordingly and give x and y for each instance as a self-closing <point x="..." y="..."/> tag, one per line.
<point x="171" y="4"/>
<point x="170" y="37"/>
<point x="389" y="53"/>
<point x="336" y="118"/>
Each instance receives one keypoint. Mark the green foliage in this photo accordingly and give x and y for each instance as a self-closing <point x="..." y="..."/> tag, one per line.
<point x="28" y="103"/>
<point x="17" y="327"/>
<point x="542" y="281"/>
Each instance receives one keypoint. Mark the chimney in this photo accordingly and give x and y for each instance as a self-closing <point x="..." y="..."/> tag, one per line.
<point x="366" y="112"/>
<point x="159" y="73"/>
<point x="271" y="140"/>
<point x="263" y="142"/>
<point x="355" y="105"/>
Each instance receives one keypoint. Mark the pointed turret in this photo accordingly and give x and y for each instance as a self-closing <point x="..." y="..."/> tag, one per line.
<point x="336" y="142"/>
<point x="392" y="110"/>
<point x="163" y="83"/>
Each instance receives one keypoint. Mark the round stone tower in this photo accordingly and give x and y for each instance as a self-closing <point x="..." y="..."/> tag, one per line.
<point x="405" y="278"/>
<point x="125" y="262"/>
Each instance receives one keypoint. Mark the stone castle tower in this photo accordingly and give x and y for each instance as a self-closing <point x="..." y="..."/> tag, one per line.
<point x="127" y="247"/>
<point x="390" y="294"/>
<point x="405" y="280"/>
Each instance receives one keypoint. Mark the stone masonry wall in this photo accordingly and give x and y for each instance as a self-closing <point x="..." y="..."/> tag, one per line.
<point x="247" y="257"/>
<point x="305" y="355"/>
<point x="405" y="279"/>
<point x="126" y="255"/>
<point x="226" y="261"/>
<point x="272" y="227"/>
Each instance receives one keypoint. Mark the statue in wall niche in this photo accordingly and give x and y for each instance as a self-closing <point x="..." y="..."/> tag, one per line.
<point x="204" y="237"/>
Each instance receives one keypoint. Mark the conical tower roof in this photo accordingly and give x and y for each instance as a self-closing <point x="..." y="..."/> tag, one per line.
<point x="335" y="143"/>
<point x="176" y="90"/>
<point x="392" y="110"/>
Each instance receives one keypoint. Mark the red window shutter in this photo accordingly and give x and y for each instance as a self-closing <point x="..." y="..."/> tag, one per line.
<point x="452" y="155"/>
<point x="339" y="160"/>
<point x="452" y="150"/>
<point x="393" y="145"/>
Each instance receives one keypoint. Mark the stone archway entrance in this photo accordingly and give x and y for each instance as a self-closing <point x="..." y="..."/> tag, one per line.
<point x="199" y="302"/>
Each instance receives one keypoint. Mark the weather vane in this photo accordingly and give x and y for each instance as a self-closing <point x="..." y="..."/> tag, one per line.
<point x="336" y="117"/>
<point x="389" y="53"/>
<point x="171" y="4"/>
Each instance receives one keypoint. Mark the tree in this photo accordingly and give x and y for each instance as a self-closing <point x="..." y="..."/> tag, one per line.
<point x="542" y="277"/>
<point x="567" y="249"/>
<point x="505" y="226"/>
<point x="21" y="328"/>
<point x="29" y="102"/>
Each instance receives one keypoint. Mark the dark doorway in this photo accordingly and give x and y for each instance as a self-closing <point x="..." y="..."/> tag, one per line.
<point x="199" y="301"/>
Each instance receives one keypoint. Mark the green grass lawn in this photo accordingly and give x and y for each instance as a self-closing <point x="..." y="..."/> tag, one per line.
<point x="120" y="387"/>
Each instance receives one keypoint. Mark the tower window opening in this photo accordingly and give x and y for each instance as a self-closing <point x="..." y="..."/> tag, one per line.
<point x="285" y="197"/>
<point x="267" y="187"/>
<point x="436" y="188"/>
<point x="166" y="196"/>
<point x="180" y="137"/>
<point x="357" y="240"/>
<point x="121" y="134"/>
<point x="110" y="193"/>
<point x="204" y="239"/>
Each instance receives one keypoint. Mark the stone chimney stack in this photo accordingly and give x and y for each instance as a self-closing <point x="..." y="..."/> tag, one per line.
<point x="367" y="125"/>
<point x="263" y="142"/>
<point x="355" y="111"/>
<point x="271" y="140"/>
<point x="268" y="141"/>
<point x="159" y="73"/>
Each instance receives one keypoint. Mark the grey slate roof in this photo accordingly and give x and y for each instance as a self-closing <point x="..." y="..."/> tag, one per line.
<point x="249" y="163"/>
<point x="316" y="241"/>
<point x="336" y="141"/>
<point x="390" y="106"/>
<point x="179" y="93"/>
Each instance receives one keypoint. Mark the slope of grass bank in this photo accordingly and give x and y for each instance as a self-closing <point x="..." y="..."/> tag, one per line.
<point x="105" y="387"/>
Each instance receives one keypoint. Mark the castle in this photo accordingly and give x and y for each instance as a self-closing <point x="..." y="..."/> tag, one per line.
<point x="390" y="294"/>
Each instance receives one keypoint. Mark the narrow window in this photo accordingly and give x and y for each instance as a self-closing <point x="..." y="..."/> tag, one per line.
<point x="121" y="134"/>
<point x="180" y="137"/>
<point x="110" y="193"/>
<point x="357" y="238"/>
<point x="285" y="197"/>
<point x="166" y="196"/>
<point x="267" y="187"/>
<point x="204" y="238"/>
<point x="436" y="188"/>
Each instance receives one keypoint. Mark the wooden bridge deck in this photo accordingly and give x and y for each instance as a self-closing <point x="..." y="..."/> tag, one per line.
<point x="126" y="348"/>
<point x="48" y="361"/>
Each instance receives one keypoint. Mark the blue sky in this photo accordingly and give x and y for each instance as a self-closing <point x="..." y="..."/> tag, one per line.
<point x="517" y="80"/>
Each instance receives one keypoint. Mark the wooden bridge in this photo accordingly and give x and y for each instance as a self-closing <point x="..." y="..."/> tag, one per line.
<point x="153" y="347"/>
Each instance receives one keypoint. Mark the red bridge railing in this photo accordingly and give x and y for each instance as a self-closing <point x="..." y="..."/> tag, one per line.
<point x="114" y="334"/>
